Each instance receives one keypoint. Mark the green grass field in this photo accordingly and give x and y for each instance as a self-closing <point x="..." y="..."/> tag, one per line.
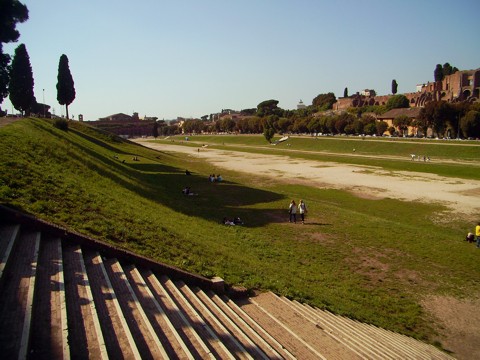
<point x="372" y="260"/>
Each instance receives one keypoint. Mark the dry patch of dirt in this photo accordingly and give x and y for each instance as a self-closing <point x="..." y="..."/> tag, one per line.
<point x="320" y="238"/>
<point x="459" y="324"/>
<point x="7" y="120"/>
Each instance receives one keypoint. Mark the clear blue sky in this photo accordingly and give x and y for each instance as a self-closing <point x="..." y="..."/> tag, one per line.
<point x="191" y="58"/>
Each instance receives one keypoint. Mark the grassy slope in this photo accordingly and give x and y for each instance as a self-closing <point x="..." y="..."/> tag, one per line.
<point x="373" y="260"/>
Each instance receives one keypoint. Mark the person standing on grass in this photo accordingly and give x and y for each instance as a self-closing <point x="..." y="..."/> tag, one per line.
<point x="302" y="207"/>
<point x="477" y="234"/>
<point x="292" y="210"/>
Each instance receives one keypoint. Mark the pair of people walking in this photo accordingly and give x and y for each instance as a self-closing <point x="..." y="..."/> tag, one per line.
<point x="293" y="208"/>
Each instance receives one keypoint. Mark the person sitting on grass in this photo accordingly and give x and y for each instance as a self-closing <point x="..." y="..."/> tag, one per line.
<point x="227" y="221"/>
<point x="187" y="191"/>
<point x="237" y="221"/>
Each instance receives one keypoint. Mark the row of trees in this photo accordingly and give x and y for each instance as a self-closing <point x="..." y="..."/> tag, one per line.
<point x="16" y="77"/>
<point x="445" y="119"/>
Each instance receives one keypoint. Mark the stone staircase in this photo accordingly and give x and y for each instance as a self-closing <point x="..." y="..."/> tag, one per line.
<point x="63" y="295"/>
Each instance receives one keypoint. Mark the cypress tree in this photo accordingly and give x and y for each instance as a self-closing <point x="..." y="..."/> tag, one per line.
<point x="438" y="73"/>
<point x="155" y="129"/>
<point x="21" y="81"/>
<point x="65" y="85"/>
<point x="345" y="92"/>
<point x="394" y="86"/>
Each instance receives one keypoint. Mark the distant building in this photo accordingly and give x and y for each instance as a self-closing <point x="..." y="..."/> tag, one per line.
<point x="411" y="113"/>
<point x="301" y="105"/>
<point x="117" y="117"/>
<point x="368" y="92"/>
<point x="125" y="125"/>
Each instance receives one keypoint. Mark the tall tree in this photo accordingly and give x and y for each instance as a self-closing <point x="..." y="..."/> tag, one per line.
<point x="21" y="81"/>
<point x="394" y="86"/>
<point x="345" y="92"/>
<point x="65" y="85"/>
<point x="438" y="73"/>
<point x="324" y="101"/>
<point x="448" y="69"/>
<point x="268" y="107"/>
<point x="155" y="130"/>
<point x="11" y="13"/>
<point x="402" y="122"/>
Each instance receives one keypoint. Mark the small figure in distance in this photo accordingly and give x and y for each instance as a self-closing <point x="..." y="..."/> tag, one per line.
<point x="470" y="237"/>
<point x="292" y="210"/>
<point x="187" y="172"/>
<point x="302" y="207"/>
<point x="219" y="178"/>
<point x="477" y="234"/>
<point x="227" y="221"/>
<point x="187" y="191"/>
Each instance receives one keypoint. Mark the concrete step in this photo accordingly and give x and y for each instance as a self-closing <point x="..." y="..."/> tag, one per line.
<point x="85" y="336"/>
<point x="17" y="296"/>
<point x="8" y="236"/>
<point x="117" y="336"/>
<point x="229" y="321"/>
<point x="210" y="337"/>
<point x="402" y="343"/>
<point x="180" y="321"/>
<point x="147" y="341"/>
<point x="172" y="341"/>
<point x="375" y="338"/>
<point x="289" y="339"/>
<point x="347" y="334"/>
<point x="403" y="347"/>
<point x="277" y="346"/>
<point x="271" y="348"/>
<point x="49" y="339"/>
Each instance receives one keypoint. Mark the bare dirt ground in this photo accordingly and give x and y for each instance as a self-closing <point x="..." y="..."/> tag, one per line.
<point x="7" y="120"/>
<point x="459" y="320"/>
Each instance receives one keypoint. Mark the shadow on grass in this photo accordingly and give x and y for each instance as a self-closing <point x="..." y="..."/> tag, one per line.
<point x="316" y="224"/>
<point x="163" y="184"/>
<point x="153" y="179"/>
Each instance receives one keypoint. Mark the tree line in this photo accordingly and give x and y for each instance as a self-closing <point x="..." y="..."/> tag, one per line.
<point x="16" y="75"/>
<point x="444" y="119"/>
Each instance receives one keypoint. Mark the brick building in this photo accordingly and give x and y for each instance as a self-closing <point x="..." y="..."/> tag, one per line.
<point x="460" y="86"/>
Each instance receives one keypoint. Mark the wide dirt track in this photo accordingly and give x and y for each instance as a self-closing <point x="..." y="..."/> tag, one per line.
<point x="459" y="319"/>
<point x="459" y="195"/>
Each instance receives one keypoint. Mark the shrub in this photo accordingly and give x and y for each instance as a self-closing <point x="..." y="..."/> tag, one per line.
<point x="61" y="124"/>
